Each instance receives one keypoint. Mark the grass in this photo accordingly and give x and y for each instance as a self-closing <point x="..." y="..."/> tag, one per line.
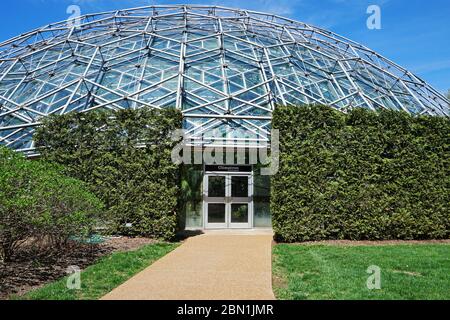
<point x="108" y="273"/>
<point x="321" y="272"/>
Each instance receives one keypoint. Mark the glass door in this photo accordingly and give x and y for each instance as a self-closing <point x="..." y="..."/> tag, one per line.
<point x="239" y="204"/>
<point x="215" y="201"/>
<point x="227" y="201"/>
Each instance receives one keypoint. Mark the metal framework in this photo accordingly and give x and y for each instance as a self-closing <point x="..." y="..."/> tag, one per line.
<point x="226" y="69"/>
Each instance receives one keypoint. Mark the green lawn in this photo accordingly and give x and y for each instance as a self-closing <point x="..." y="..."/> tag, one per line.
<point x="107" y="274"/>
<point x="321" y="272"/>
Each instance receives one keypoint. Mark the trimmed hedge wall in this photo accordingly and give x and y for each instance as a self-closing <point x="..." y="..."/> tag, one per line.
<point x="361" y="176"/>
<point x="125" y="157"/>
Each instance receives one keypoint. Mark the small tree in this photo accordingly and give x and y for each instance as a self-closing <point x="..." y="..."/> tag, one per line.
<point x="37" y="201"/>
<point x="16" y="201"/>
<point x="65" y="207"/>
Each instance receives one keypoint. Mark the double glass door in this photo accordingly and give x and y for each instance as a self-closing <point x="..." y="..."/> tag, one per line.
<point x="228" y="201"/>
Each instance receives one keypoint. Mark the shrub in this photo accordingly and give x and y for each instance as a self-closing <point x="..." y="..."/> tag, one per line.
<point x="37" y="201"/>
<point x="362" y="176"/>
<point x="125" y="157"/>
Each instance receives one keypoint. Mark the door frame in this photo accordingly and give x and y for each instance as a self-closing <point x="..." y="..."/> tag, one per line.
<point x="228" y="201"/>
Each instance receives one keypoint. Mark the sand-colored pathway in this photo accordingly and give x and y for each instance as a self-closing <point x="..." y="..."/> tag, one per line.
<point x="212" y="266"/>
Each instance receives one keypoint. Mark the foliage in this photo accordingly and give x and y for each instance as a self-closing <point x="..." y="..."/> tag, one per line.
<point x="125" y="157"/>
<point x="361" y="175"/>
<point x="105" y="275"/>
<point x="329" y="272"/>
<point x="37" y="201"/>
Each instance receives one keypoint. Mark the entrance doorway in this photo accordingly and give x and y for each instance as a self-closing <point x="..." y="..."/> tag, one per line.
<point x="228" y="200"/>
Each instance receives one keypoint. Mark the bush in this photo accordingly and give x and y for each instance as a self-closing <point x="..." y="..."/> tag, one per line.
<point x="125" y="157"/>
<point x="37" y="201"/>
<point x="361" y="176"/>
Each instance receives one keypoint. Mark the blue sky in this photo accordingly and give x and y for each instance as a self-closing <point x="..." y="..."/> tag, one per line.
<point x="415" y="33"/>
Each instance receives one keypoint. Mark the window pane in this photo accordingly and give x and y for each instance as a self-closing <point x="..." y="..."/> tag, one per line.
<point x="239" y="213"/>
<point x="192" y="195"/>
<point x="216" y="213"/>
<point x="216" y="186"/>
<point x="261" y="205"/>
<point x="262" y="217"/>
<point x="239" y="187"/>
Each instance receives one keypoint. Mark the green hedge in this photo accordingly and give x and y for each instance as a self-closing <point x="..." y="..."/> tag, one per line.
<point x="125" y="157"/>
<point x="362" y="175"/>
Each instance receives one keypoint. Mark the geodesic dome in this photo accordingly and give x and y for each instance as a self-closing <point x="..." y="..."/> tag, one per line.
<point x="226" y="69"/>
